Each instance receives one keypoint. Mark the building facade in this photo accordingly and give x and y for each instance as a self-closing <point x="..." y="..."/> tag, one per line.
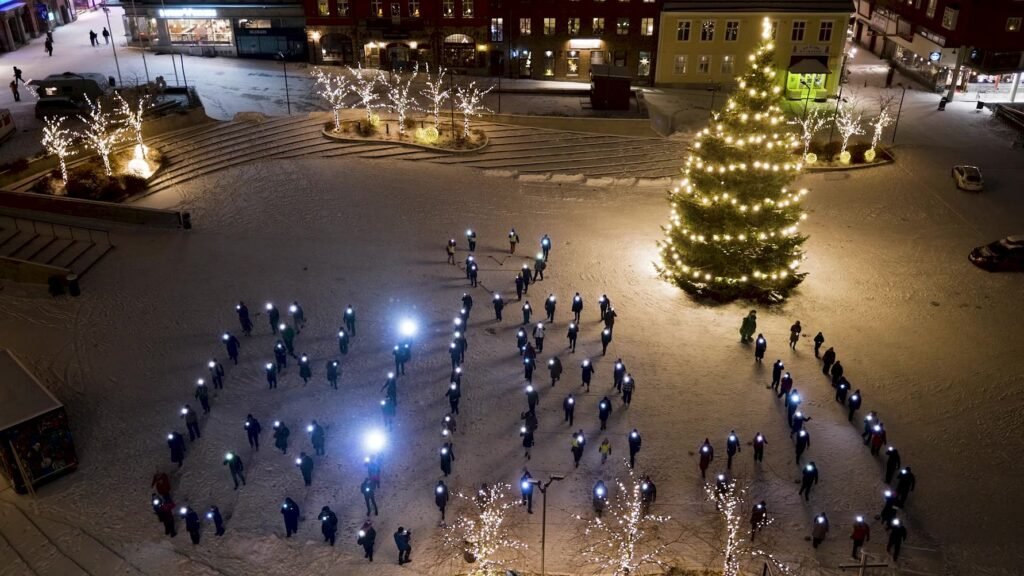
<point x="395" y="34"/>
<point x="271" y="29"/>
<point x="947" y="45"/>
<point x="705" y="43"/>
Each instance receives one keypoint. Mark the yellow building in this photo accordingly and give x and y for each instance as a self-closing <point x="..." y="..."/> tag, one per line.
<point x="705" y="43"/>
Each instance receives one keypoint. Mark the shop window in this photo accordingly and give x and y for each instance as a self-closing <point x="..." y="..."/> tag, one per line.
<point x="205" y="31"/>
<point x="396" y="10"/>
<point x="414" y="8"/>
<point x="597" y="57"/>
<point x="707" y="31"/>
<point x="573" y="26"/>
<point x="253" y="24"/>
<point x="448" y="9"/>
<point x="337" y="48"/>
<point x="704" y="65"/>
<point x="732" y="30"/>
<point x="549" y="26"/>
<point x="643" y="67"/>
<point x="648" y="1"/>
<point x="622" y="26"/>
<point x="683" y="31"/>
<point x="342" y="6"/>
<point x="1013" y="24"/>
<point x="323" y="7"/>
<point x="727" y="64"/>
<point x="372" y="54"/>
<point x="930" y="10"/>
<point x="597" y="26"/>
<point x="949" y="16"/>
<point x="497" y="29"/>
<point x="647" y="26"/>
<point x="825" y="31"/>
<point x="377" y="8"/>
<point x="573" y="64"/>
<point x="459" y="51"/>
<point x="549" y="63"/>
<point x="525" y="64"/>
<point x="679" y="68"/>
<point x="619" y="58"/>
<point x="799" y="28"/>
<point x="524" y="26"/>
<point x="467" y="8"/>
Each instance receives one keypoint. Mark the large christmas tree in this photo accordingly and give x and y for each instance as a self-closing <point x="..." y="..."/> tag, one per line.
<point x="734" y="231"/>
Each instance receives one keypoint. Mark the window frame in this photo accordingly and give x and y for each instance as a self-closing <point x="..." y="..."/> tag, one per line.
<point x="729" y="59"/>
<point x="802" y="28"/>
<point x="704" y="64"/>
<point x="680" y="28"/>
<point x="528" y="29"/>
<point x="594" y="28"/>
<point x="497" y="33"/>
<point x="1013" y="24"/>
<point x="647" y="26"/>
<point x="929" y="12"/>
<point x="622" y="26"/>
<point x="707" y="30"/>
<point x="552" y="29"/>
<point x="823" y="27"/>
<point x="685" y="58"/>
<point x="734" y="27"/>
<point x="445" y="5"/>
<point x="952" y="15"/>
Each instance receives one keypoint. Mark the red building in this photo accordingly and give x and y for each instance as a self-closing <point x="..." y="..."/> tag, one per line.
<point x="966" y="45"/>
<point x="392" y="33"/>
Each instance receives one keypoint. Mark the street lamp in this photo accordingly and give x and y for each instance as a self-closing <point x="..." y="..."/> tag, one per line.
<point x="113" y="45"/>
<point x="544" y="514"/>
<point x="287" y="96"/>
<point x="807" y="97"/>
<point x="896" y="124"/>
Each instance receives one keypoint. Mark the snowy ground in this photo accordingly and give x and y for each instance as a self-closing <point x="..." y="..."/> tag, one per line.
<point x="926" y="336"/>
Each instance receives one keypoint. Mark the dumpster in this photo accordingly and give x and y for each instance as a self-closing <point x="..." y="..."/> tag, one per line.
<point x="36" y="445"/>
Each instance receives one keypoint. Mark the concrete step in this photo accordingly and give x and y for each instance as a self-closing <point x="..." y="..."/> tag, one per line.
<point x="598" y="164"/>
<point x="89" y="258"/>
<point x="239" y="132"/>
<point x="241" y="138"/>
<point x="579" y="159"/>
<point x="16" y="242"/>
<point x="66" y="258"/>
<point x="27" y="251"/>
<point x="53" y="250"/>
<point x="549" y="152"/>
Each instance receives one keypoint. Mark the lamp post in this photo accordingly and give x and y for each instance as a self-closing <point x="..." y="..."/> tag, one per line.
<point x="807" y="97"/>
<point x="896" y="124"/>
<point x="287" y="97"/>
<point x="544" y="514"/>
<point x="113" y="45"/>
<point x="839" y="97"/>
<point x="142" y="47"/>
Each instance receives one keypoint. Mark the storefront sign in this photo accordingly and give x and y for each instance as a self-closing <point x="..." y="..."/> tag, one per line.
<point x="585" y="43"/>
<point x="935" y="56"/>
<point x="810" y="50"/>
<point x="187" y="13"/>
<point x="879" y="22"/>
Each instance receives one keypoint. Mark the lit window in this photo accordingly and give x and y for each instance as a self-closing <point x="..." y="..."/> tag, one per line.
<point x="683" y="31"/>
<point x="573" y="26"/>
<point x="1013" y="24"/>
<point x="930" y="11"/>
<point x="798" y="31"/>
<point x="549" y="26"/>
<point x="732" y="30"/>
<point x="643" y="67"/>
<point x="622" y="27"/>
<point x="707" y="31"/>
<point x="647" y="26"/>
<point x="597" y="26"/>
<point x="949" y="16"/>
<point x="497" y="29"/>
<point x="396" y="10"/>
<point x="324" y="7"/>
<point x="727" y="63"/>
<point x="342" y="7"/>
<point x="825" y="31"/>
<point x="704" y="65"/>
<point x="414" y="8"/>
<point x="680" y="65"/>
<point x="448" y="8"/>
<point x="525" y="26"/>
<point x="467" y="8"/>
<point x="377" y="8"/>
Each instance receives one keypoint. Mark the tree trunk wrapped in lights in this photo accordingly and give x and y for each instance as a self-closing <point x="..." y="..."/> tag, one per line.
<point x="333" y="88"/>
<point x="848" y="124"/>
<point x="480" y="533"/>
<point x="399" y="99"/>
<point x="734" y="545"/>
<point x="102" y="132"/>
<point x="366" y="88"/>
<point x="435" y="94"/>
<point x="733" y="231"/>
<point x="57" y="140"/>
<point x="468" y="101"/>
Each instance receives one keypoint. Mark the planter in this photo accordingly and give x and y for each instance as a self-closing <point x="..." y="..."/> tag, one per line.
<point x="87" y="178"/>
<point x="882" y="157"/>
<point x="387" y="133"/>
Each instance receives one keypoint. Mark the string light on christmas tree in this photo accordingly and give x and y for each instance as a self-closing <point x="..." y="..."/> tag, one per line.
<point x="733" y="230"/>
<point x="399" y="99"/>
<point x="57" y="140"/>
<point x="333" y="88"/>
<point x="365" y="86"/>
<point x="468" y="100"/>
<point x="480" y="533"/>
<point x="435" y="93"/>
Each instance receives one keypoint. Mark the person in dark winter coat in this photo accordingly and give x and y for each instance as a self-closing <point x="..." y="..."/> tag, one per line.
<point x="635" y="440"/>
<point x="853" y="404"/>
<point x="474" y="274"/>
<point x="191" y="423"/>
<point x="579" y="442"/>
<point x="519" y="287"/>
<point x="499" y="305"/>
<point x="216" y="373"/>
<point x="521" y="341"/>
<point x="281" y="433"/>
<point x="888" y="508"/>
<point x="176" y="443"/>
<point x="609" y="318"/>
<point x="758" y="518"/>
<point x="545" y="246"/>
<point x="905" y="483"/>
<point x="819" y="339"/>
<point x="367" y="538"/>
<point x="878" y="438"/>
<point x="892" y="463"/>
<point x="467" y="304"/>
<point x="819" y="530"/>
<point x="809" y="477"/>
<point x="794" y="334"/>
<point x="759" y="443"/>
<point x="897" y="535"/>
<point x="203" y="395"/>
<point x="528" y="367"/>
<point x="785" y="385"/>
<point x="447" y="456"/>
<point x="402" y="542"/>
<point x="528" y="278"/>
<point x="606" y="339"/>
<point x="539" y="266"/>
<point x="555" y="369"/>
<point x="333" y="369"/>
<point x="648" y="494"/>
<point x="369" y="495"/>
<point x="234" y="464"/>
<point x="243" y="318"/>
<point x="618" y="373"/>
<point x="192" y="523"/>
<point x="213" y="515"/>
<point x="707" y="454"/>
<point x="441" y="497"/>
<point x="343" y="341"/>
<point x="271" y="373"/>
<point x="803" y="441"/>
<point x="569" y="408"/>
<point x="604" y="409"/>
<point x="305" y="465"/>
<point x="316" y="437"/>
<point x="760" y="345"/>
<point x="526" y="490"/>
<point x="732" y="446"/>
<point x="280" y="356"/>
<point x="350" y="320"/>
<point x="777" y="374"/>
<point x="328" y="524"/>
<point x="549" y="307"/>
<point x="861" y="533"/>
<point x="538" y="336"/>
<point x="793" y="400"/>
<point x="274" y="317"/>
<point x="532" y="397"/>
<point x="587" y="372"/>
<point x="836" y="372"/>
<point x="577" y="307"/>
<point x="527" y="311"/>
<point x="796" y="424"/>
<point x="305" y="371"/>
<point x="827" y="360"/>
<point x="471" y="239"/>
<point x="290" y="511"/>
<point x="748" y="326"/>
<point x="869" y="421"/>
<point x="162" y="484"/>
<point x="231" y="344"/>
<point x="298" y="316"/>
<point x="842" y="389"/>
<point x="252" y="431"/>
<point x="572" y="333"/>
<point x="454" y="393"/>
<point x="288" y="336"/>
<point x="164" y="510"/>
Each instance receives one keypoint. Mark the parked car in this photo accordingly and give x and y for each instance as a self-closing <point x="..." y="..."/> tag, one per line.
<point x="968" y="178"/>
<point x="1000" y="256"/>
<point x="59" y="106"/>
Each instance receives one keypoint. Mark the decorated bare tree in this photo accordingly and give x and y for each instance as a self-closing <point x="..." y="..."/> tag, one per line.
<point x="469" y="102"/>
<point x="627" y="539"/>
<point x="101" y="132"/>
<point x="399" y="99"/>
<point x="333" y="88"/>
<point x="883" y="119"/>
<point x="132" y="115"/>
<point x="810" y="125"/>
<point x="848" y="123"/>
<point x="734" y="546"/>
<point x="57" y="140"/>
<point x="365" y="86"/>
<point x="480" y="533"/>
<point x="435" y="94"/>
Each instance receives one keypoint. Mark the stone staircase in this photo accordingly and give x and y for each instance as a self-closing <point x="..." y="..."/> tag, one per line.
<point x="77" y="249"/>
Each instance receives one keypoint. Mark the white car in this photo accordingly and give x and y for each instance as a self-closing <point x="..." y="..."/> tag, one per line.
<point x="968" y="178"/>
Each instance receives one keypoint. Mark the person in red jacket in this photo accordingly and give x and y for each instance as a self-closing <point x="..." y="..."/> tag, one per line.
<point x="878" y="438"/>
<point x="707" y="454"/>
<point x="861" y="533"/>
<point x="162" y="484"/>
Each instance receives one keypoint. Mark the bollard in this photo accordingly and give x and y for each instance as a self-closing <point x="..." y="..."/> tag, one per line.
<point x="942" y="104"/>
<point x="73" y="288"/>
<point x="979" y="106"/>
<point x="186" y="220"/>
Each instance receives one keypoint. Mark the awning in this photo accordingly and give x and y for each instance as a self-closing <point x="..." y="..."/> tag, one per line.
<point x="9" y="7"/>
<point x="809" y="65"/>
